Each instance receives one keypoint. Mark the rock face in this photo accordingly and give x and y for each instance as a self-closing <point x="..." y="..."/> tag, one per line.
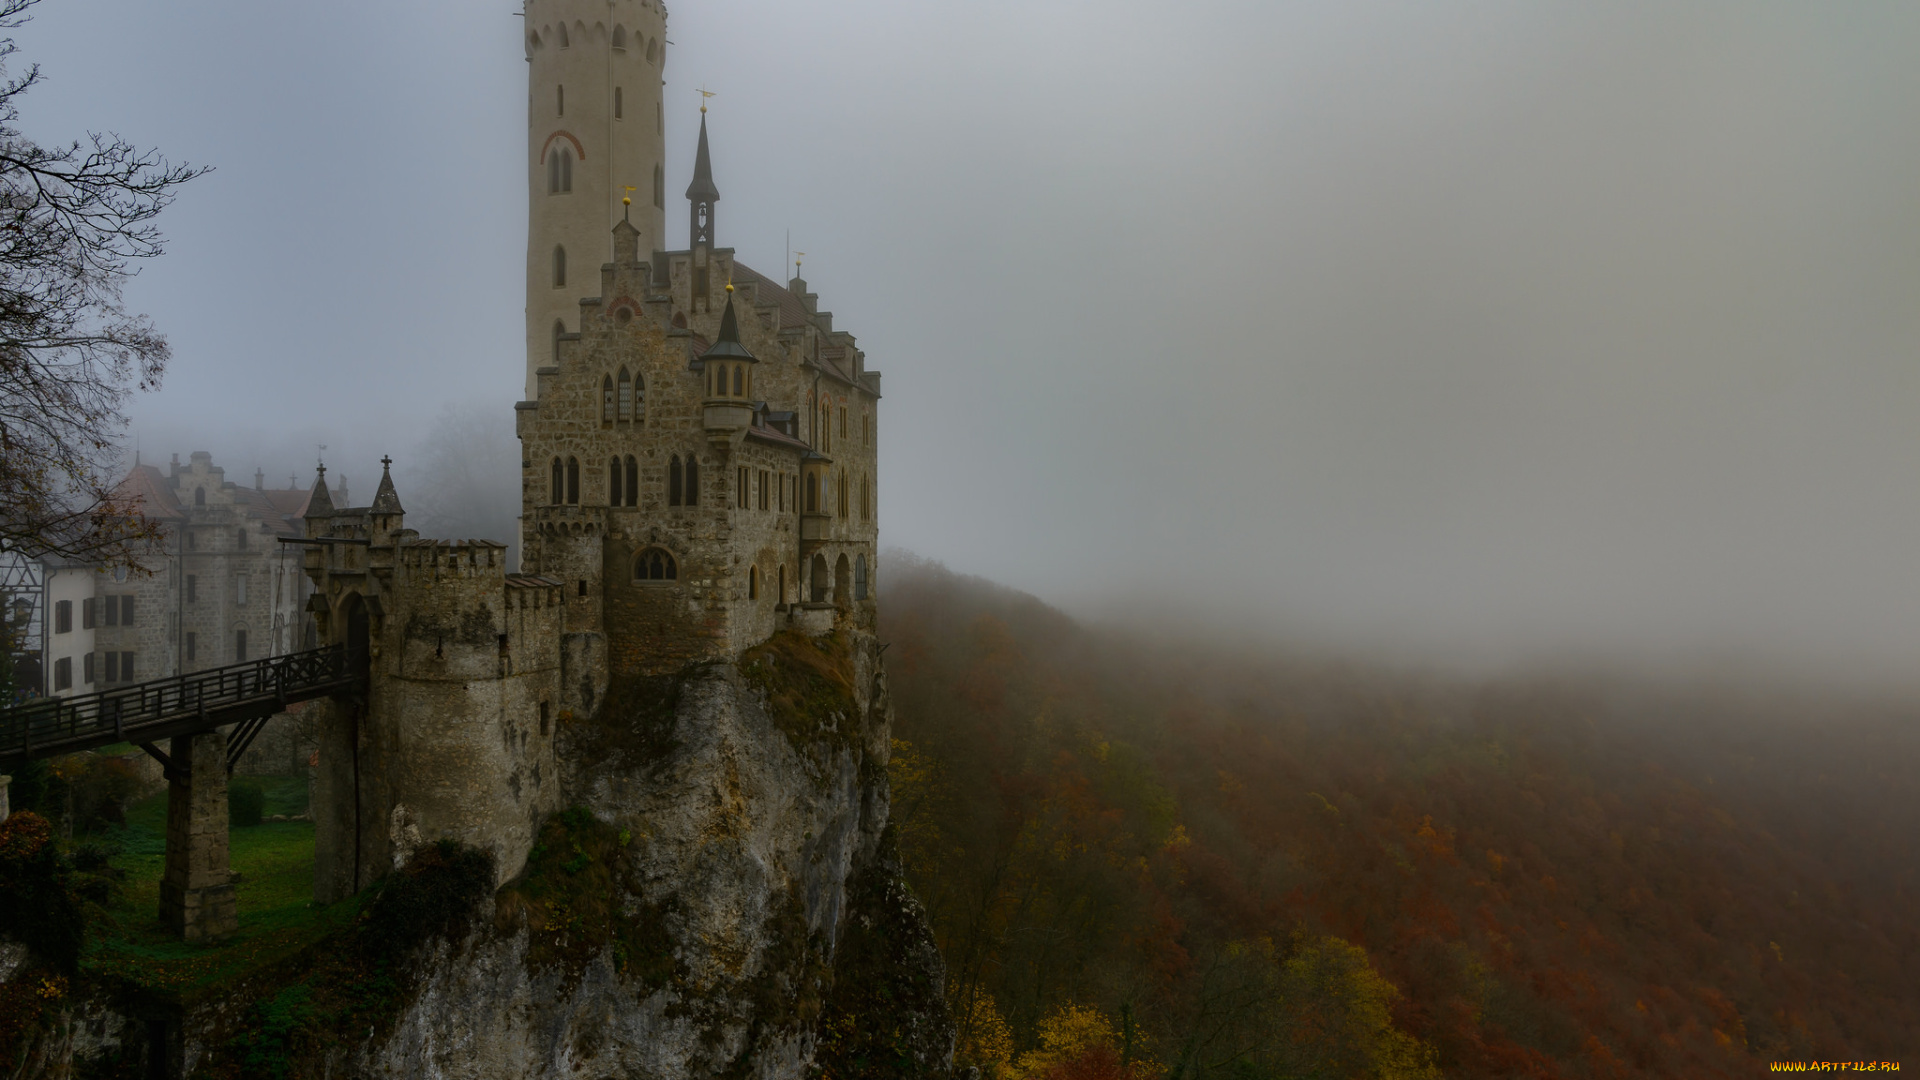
<point x="737" y="848"/>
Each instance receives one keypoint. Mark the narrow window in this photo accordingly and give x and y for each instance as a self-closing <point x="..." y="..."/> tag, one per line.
<point x="559" y="266"/>
<point x="783" y="492"/>
<point x="753" y="583"/>
<point x="606" y="399"/>
<point x="843" y="421"/>
<point x="653" y="49"/>
<point x="693" y="481"/>
<point x="740" y="486"/>
<point x="557" y="484"/>
<point x="659" y="188"/>
<point x="620" y="38"/>
<point x="614" y="486"/>
<point x="239" y="646"/>
<point x="860" y="578"/>
<point x="840" y="488"/>
<point x="193" y="591"/>
<point x="639" y="398"/>
<point x="633" y="481"/>
<point x="866" y="499"/>
<point x="63" y="616"/>
<point x="739" y="380"/>
<point x="560" y="101"/>
<point x="63" y="673"/>
<point x="619" y="104"/>
<point x="240" y="590"/>
<point x="199" y="496"/>
<point x="564" y="42"/>
<point x="553" y="172"/>
<point x="573" y="481"/>
<point x="813" y="493"/>
<point x="781" y="596"/>
<point x="866" y="428"/>
<point x="87" y="613"/>
<point x="674" y="493"/>
<point x="626" y="396"/>
<point x="559" y="331"/>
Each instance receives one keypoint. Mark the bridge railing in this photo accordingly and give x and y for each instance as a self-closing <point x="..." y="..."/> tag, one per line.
<point x="123" y="711"/>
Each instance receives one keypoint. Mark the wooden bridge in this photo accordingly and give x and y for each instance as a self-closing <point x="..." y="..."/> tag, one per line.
<point x="244" y="694"/>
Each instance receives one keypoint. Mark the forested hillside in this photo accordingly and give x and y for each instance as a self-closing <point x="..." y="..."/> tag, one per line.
<point x="1140" y="859"/>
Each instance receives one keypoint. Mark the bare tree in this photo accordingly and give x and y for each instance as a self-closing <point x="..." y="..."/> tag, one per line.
<point x="72" y="220"/>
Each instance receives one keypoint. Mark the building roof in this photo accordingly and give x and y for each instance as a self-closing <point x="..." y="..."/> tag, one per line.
<point x="149" y="485"/>
<point x="702" y="189"/>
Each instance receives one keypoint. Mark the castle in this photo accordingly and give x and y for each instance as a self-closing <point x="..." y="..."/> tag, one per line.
<point x="698" y="473"/>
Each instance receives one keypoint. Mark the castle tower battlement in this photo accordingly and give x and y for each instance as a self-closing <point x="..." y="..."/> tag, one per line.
<point x="594" y="128"/>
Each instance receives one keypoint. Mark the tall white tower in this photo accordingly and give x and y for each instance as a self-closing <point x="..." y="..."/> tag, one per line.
<point x="594" y="128"/>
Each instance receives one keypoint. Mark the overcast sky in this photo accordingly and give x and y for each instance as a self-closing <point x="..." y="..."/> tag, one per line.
<point x="1492" y="331"/>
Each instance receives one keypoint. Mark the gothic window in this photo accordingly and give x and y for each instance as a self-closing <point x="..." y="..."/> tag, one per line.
<point x="559" y="171"/>
<point x="606" y="399"/>
<point x="860" y="578"/>
<point x="675" y="493"/>
<point x="639" y="398"/>
<point x="626" y="396"/>
<point x="619" y="104"/>
<point x="633" y="481"/>
<point x="739" y="380"/>
<point x="620" y="37"/>
<point x="659" y="188"/>
<point x="655" y="564"/>
<point x="559" y="266"/>
<point x="561" y="32"/>
<point x="693" y="481"/>
<point x="573" y="481"/>
<point x="843" y="421"/>
<point x="614" y="486"/>
<point x="653" y="49"/>
<point x="557" y="484"/>
<point x="753" y="583"/>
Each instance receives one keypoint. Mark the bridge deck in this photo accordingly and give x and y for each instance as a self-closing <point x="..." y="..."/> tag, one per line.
<point x="181" y="705"/>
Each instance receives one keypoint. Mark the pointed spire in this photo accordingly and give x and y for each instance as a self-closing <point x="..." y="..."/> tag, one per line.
<point x="701" y="194"/>
<point x="320" y="503"/>
<point x="386" y="500"/>
<point x="702" y="189"/>
<point x="727" y="346"/>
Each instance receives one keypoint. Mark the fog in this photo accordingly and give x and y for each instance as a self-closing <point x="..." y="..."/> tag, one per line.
<point x="1483" y="333"/>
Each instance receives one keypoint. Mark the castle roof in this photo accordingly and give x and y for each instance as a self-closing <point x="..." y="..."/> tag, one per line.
<point x="702" y="189"/>
<point x="149" y="485"/>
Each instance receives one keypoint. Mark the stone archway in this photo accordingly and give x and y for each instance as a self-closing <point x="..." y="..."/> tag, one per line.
<point x="818" y="574"/>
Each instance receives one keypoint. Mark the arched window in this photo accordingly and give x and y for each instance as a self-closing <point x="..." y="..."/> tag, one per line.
<point x="199" y="496"/>
<point x="739" y="380"/>
<point x="753" y="583"/>
<point x="620" y="37"/>
<point x="573" y="481"/>
<point x="562" y="35"/>
<point x="655" y="564"/>
<point x="606" y="399"/>
<point x="860" y="578"/>
<point x="693" y="481"/>
<point x="626" y="396"/>
<point x="659" y="188"/>
<point x="614" y="486"/>
<point x="639" y="398"/>
<point x="653" y="49"/>
<point x="633" y="481"/>
<point x="559" y="331"/>
<point x="674" y="492"/>
<point x="557" y="484"/>
<point x="559" y="266"/>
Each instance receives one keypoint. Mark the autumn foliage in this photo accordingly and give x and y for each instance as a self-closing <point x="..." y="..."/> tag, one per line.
<point x="1249" y="867"/>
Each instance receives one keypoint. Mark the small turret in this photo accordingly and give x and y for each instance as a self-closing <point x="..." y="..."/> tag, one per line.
<point x="386" y="513"/>
<point x="319" y="504"/>
<point x="701" y="193"/>
<point x="728" y="368"/>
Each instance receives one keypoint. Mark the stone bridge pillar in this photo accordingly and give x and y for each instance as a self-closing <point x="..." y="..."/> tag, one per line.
<point x="196" y="892"/>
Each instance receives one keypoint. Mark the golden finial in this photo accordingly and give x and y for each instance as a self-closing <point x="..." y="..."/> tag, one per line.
<point x="797" y="256"/>
<point x="627" y="200"/>
<point x="704" y="95"/>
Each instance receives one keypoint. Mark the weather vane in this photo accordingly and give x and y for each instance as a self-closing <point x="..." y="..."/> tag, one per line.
<point x="704" y="95"/>
<point x="797" y="256"/>
<point x="626" y="202"/>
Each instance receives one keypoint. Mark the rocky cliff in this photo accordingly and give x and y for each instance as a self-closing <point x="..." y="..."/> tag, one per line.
<point x="722" y="901"/>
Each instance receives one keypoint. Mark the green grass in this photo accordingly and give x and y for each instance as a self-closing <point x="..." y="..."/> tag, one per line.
<point x="274" y="894"/>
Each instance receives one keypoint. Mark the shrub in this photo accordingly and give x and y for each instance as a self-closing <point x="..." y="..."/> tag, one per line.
<point x="37" y="903"/>
<point x="245" y="800"/>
